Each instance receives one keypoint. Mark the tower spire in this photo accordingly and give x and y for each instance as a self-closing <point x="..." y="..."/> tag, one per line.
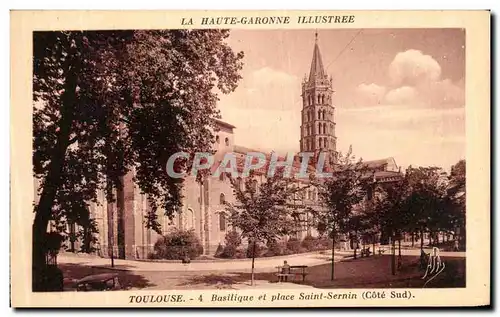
<point x="317" y="70"/>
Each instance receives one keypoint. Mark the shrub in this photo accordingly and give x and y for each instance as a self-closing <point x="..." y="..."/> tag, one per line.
<point x="274" y="248"/>
<point x="325" y="243"/>
<point x="293" y="244"/>
<point x="233" y="238"/>
<point x="310" y="243"/>
<point x="177" y="245"/>
<point x="233" y="241"/>
<point x="219" y="251"/>
<point x="259" y="250"/>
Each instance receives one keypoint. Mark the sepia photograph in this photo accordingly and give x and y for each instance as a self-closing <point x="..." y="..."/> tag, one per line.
<point x="316" y="160"/>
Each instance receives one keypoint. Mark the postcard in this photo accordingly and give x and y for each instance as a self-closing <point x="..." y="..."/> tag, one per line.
<point x="250" y="158"/>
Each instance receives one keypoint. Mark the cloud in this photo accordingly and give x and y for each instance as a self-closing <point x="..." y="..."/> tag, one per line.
<point x="402" y="95"/>
<point x="443" y="93"/>
<point x="370" y="93"/>
<point x="265" y="88"/>
<point x="416" y="81"/>
<point x="412" y="67"/>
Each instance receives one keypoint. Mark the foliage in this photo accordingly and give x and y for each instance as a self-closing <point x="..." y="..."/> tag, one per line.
<point x="274" y="248"/>
<point x="53" y="241"/>
<point x="294" y="245"/>
<point x="340" y="193"/>
<point x="261" y="213"/>
<point x="233" y="238"/>
<point x="256" y="252"/>
<point x="109" y="102"/>
<point x="177" y="245"/>
<point x="230" y="249"/>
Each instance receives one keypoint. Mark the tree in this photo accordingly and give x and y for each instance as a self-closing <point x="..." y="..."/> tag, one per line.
<point x="456" y="195"/>
<point x="109" y="102"/>
<point x="425" y="210"/>
<point x="389" y="207"/>
<point x="260" y="211"/>
<point x="340" y="193"/>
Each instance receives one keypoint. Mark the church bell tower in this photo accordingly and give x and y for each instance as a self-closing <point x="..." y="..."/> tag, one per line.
<point x="317" y="132"/>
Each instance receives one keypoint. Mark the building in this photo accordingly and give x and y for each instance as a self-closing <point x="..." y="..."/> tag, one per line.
<point x="122" y="233"/>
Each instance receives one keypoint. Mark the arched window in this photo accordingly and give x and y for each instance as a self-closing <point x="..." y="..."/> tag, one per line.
<point x="190" y="224"/>
<point x="319" y="128"/>
<point x="222" y="199"/>
<point x="323" y="99"/>
<point x="319" y="114"/>
<point x="221" y="176"/>
<point x="217" y="139"/>
<point x="324" y="128"/>
<point x="319" y="142"/>
<point x="227" y="141"/>
<point x="222" y="221"/>
<point x="254" y="185"/>
<point x="319" y="98"/>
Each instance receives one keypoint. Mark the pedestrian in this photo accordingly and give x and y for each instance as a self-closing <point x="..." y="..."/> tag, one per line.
<point x="285" y="269"/>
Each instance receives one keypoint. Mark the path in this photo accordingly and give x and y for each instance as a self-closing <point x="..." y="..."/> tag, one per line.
<point x="241" y="265"/>
<point x="261" y="264"/>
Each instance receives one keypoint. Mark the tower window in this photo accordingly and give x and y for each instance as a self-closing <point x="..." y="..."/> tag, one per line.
<point x="319" y="114"/>
<point x="222" y="221"/>
<point x="217" y="139"/>
<point x="319" y="142"/>
<point x="227" y="141"/>
<point x="221" y="176"/>
<point x="222" y="198"/>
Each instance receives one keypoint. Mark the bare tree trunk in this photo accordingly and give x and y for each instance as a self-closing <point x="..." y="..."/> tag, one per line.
<point x="400" y="260"/>
<point x="333" y="254"/>
<point x="421" y="239"/>
<point x="412" y="239"/>
<point x="393" y="256"/>
<point x="253" y="261"/>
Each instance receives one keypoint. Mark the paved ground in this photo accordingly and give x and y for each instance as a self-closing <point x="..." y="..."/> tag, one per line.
<point x="372" y="272"/>
<point x="243" y="265"/>
<point x="240" y="265"/>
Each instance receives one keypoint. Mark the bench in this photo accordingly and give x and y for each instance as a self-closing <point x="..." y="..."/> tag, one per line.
<point x="295" y="270"/>
<point x="98" y="282"/>
<point x="365" y="252"/>
<point x="381" y="251"/>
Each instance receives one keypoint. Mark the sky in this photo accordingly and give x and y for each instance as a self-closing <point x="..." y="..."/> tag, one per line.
<point x="397" y="92"/>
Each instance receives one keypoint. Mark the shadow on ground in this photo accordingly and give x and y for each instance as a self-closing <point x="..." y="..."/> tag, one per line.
<point x="371" y="272"/>
<point x="128" y="279"/>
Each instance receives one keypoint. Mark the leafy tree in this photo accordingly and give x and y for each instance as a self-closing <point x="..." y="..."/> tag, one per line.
<point x="456" y="195"/>
<point x="109" y="102"/>
<point x="340" y="194"/>
<point x="425" y="210"/>
<point x="389" y="206"/>
<point x="260" y="212"/>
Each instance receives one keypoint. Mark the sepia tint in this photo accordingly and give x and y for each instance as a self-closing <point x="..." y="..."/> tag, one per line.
<point x="230" y="166"/>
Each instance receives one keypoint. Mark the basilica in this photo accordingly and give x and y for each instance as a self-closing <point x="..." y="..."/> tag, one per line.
<point x="121" y="230"/>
